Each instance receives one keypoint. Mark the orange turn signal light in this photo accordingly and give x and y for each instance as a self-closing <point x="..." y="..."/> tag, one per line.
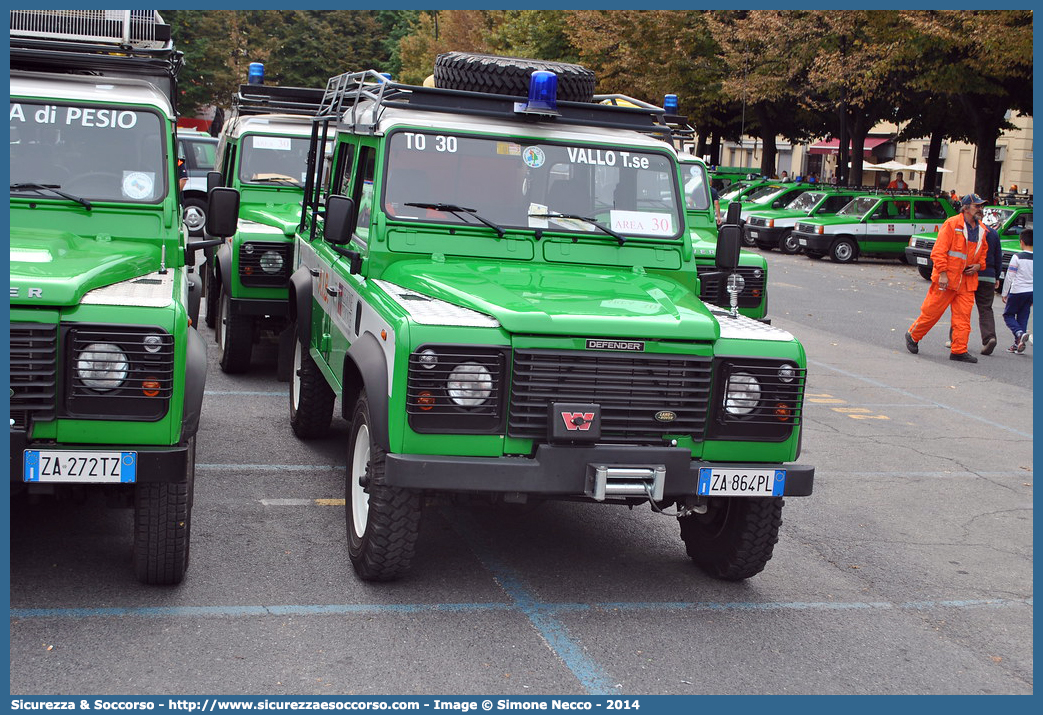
<point x="426" y="401"/>
<point x="150" y="388"/>
<point x="783" y="412"/>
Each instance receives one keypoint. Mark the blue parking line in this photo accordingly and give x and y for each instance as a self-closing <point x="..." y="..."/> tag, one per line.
<point x="900" y="391"/>
<point x="539" y="611"/>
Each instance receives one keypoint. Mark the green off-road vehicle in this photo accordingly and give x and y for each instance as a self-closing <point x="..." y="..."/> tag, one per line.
<point x="503" y="294"/>
<point x="107" y="373"/>
<point x="263" y="153"/>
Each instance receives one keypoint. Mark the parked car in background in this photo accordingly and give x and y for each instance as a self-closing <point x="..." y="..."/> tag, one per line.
<point x="1008" y="221"/>
<point x="872" y="225"/>
<point x="199" y="152"/>
<point x="773" y="228"/>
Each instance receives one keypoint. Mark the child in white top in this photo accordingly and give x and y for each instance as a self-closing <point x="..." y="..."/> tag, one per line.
<point x="1017" y="294"/>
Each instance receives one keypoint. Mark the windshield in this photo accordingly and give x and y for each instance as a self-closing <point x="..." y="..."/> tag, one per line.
<point x="734" y="190"/>
<point x="696" y="187"/>
<point x="273" y="160"/>
<point x="94" y="152"/>
<point x="762" y="192"/>
<point x="805" y="201"/>
<point x="859" y="207"/>
<point x="504" y="181"/>
<point x="200" y="155"/>
<point x="995" y="218"/>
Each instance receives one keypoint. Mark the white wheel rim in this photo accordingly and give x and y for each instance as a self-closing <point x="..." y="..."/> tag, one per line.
<point x="843" y="251"/>
<point x="295" y="390"/>
<point x="194" y="218"/>
<point x="359" y="498"/>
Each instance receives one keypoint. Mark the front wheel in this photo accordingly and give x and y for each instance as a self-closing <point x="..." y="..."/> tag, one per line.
<point x="843" y="251"/>
<point x="789" y="244"/>
<point x="235" y="335"/>
<point x="748" y="240"/>
<point x="383" y="522"/>
<point x="924" y="272"/>
<point x="163" y="527"/>
<point x="311" y="398"/>
<point x="194" y="216"/>
<point x="735" y="538"/>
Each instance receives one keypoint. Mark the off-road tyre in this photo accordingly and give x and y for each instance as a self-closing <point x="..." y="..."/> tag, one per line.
<point x="510" y="75"/>
<point x="235" y="337"/>
<point x="924" y="271"/>
<point x="735" y="538"/>
<point x="788" y="244"/>
<point x="311" y="397"/>
<point x="163" y="527"/>
<point x="843" y="250"/>
<point x="382" y="522"/>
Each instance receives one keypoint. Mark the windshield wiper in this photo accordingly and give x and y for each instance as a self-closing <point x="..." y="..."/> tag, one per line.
<point x="456" y="211"/>
<point x="54" y="188"/>
<point x="593" y="222"/>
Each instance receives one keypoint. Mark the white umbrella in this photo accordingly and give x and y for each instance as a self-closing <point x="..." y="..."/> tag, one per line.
<point x="922" y="166"/>
<point x="893" y="165"/>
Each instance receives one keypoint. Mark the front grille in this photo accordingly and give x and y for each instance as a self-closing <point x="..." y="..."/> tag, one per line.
<point x="136" y="382"/>
<point x="711" y="287"/>
<point x="927" y="243"/>
<point x="807" y="228"/>
<point x="757" y="221"/>
<point x="631" y="390"/>
<point x="255" y="256"/>
<point x="34" y="350"/>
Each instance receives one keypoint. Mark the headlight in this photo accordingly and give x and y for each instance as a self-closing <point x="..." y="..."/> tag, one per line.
<point x="742" y="394"/>
<point x="102" y="366"/>
<point x="470" y="384"/>
<point x="271" y="262"/>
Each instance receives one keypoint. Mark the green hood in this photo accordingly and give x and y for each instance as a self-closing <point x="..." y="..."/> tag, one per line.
<point x="285" y="217"/>
<point x="56" y="268"/>
<point x="542" y="299"/>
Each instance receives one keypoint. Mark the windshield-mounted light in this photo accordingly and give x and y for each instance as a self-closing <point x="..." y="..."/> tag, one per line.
<point x="543" y="94"/>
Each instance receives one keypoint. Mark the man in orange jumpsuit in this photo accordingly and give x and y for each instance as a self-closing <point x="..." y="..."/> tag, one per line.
<point x="958" y="254"/>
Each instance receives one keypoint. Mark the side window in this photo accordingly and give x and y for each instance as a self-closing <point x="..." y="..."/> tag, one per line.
<point x="928" y="210"/>
<point x="342" y="182"/>
<point x="229" y="163"/>
<point x="884" y="211"/>
<point x="363" y="189"/>
<point x="832" y="204"/>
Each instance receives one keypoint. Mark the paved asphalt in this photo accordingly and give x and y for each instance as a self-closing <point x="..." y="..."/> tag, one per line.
<point x="908" y="571"/>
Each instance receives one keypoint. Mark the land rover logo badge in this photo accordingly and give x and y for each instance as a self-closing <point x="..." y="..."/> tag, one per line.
<point x="665" y="416"/>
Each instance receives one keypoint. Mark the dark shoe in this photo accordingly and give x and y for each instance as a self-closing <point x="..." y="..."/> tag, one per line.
<point x="910" y="344"/>
<point x="1023" y="340"/>
<point x="988" y="347"/>
<point x="962" y="357"/>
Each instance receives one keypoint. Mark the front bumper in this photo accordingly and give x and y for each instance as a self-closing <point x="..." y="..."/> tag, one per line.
<point x="279" y="308"/>
<point x="561" y="471"/>
<point x="764" y="237"/>
<point x="814" y="241"/>
<point x="155" y="464"/>
<point x="914" y="256"/>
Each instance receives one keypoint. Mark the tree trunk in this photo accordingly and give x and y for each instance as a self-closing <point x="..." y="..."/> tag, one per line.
<point x="859" y="130"/>
<point x="766" y="133"/>
<point x="934" y="149"/>
<point x="985" y="171"/>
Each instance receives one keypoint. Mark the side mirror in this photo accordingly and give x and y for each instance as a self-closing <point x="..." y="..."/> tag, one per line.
<point x="729" y="240"/>
<point x="734" y="214"/>
<point x="339" y="222"/>
<point x="222" y="212"/>
<point x="213" y="180"/>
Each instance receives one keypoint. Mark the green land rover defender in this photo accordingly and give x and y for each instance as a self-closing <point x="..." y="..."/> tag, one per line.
<point x="503" y="294"/>
<point x="263" y="153"/>
<point x="107" y="373"/>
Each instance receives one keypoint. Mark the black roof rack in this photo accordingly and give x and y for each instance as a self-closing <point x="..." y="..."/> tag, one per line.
<point x="358" y="99"/>
<point x="112" y="43"/>
<point x="270" y="99"/>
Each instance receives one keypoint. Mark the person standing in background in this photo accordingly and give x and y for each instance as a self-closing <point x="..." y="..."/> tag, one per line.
<point x="1017" y="293"/>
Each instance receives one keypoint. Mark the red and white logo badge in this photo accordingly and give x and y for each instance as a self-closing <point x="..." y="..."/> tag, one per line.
<point x="580" y="421"/>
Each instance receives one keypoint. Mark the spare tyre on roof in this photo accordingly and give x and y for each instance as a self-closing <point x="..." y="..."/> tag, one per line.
<point x="510" y="75"/>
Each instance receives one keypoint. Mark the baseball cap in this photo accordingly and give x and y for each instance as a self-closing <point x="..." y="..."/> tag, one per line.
<point x="971" y="199"/>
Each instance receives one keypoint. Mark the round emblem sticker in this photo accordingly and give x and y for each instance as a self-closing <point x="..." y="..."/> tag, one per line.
<point x="137" y="185"/>
<point x="533" y="157"/>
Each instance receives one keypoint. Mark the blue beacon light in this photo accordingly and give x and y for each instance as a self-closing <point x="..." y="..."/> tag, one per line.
<point x="255" y="73"/>
<point x="670" y="103"/>
<point x="543" y="94"/>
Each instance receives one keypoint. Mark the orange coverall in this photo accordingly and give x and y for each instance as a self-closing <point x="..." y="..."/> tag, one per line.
<point x="952" y="253"/>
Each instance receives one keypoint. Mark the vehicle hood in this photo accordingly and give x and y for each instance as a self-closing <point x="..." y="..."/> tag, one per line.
<point x="546" y="299"/>
<point x="832" y="220"/>
<point x="57" y="268"/>
<point x="777" y="213"/>
<point x="285" y="217"/>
